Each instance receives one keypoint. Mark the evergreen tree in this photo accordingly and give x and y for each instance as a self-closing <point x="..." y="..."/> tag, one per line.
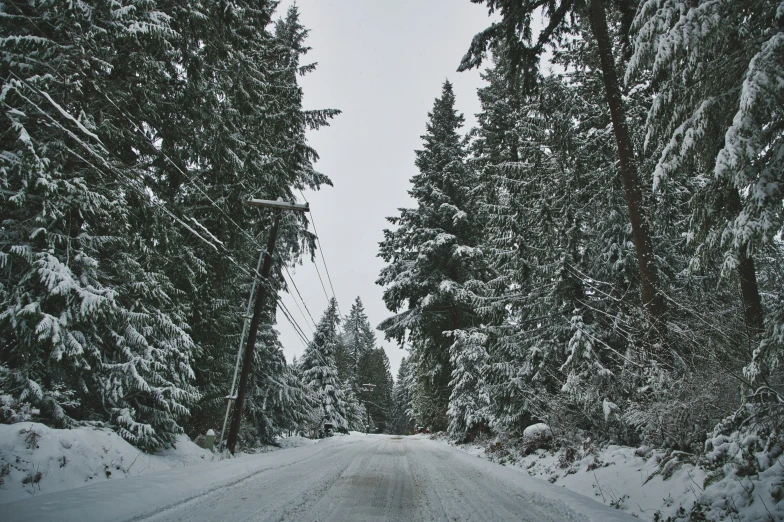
<point x="277" y="399"/>
<point x="356" y="414"/>
<point x="127" y="265"/>
<point x="373" y="368"/>
<point x="717" y="122"/>
<point x="513" y="36"/>
<point x="402" y="421"/>
<point x="358" y="338"/>
<point x="243" y="137"/>
<point x="714" y="134"/>
<point x="364" y="363"/>
<point x="320" y="372"/>
<point x="469" y="400"/>
<point x="91" y="329"/>
<point x="430" y="255"/>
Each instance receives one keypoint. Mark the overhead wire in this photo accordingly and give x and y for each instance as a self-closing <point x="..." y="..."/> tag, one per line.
<point x="293" y="322"/>
<point x="203" y="192"/>
<point x="323" y="259"/>
<point x="127" y="181"/>
<point x="214" y="204"/>
<point x="291" y="278"/>
<point x="219" y="248"/>
<point x="303" y="316"/>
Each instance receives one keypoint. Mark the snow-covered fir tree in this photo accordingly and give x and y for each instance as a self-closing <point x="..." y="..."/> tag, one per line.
<point x="715" y="139"/>
<point x="469" y="400"/>
<point x="126" y="266"/>
<point x="248" y="140"/>
<point x="277" y="398"/>
<point x="91" y="328"/>
<point x="430" y="255"/>
<point x="713" y="131"/>
<point x="319" y="371"/>
<point x="361" y="362"/>
<point x="513" y="37"/>
<point x="402" y="421"/>
<point x="373" y="369"/>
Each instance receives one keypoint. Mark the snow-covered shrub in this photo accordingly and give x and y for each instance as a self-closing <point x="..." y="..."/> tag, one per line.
<point x="12" y="410"/>
<point x="674" y="410"/>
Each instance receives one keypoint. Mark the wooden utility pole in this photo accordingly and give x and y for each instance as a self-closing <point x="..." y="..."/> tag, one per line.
<point x="258" y="308"/>
<point x="367" y="388"/>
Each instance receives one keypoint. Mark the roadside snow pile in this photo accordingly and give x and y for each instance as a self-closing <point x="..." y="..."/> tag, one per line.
<point x="36" y="459"/>
<point x="649" y="484"/>
<point x="295" y="441"/>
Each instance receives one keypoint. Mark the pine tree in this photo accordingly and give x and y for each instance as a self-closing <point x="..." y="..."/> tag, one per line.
<point x="554" y="210"/>
<point x="430" y="255"/>
<point x="402" y="421"/>
<point x="91" y="330"/>
<point x="277" y="399"/>
<point x="364" y="363"/>
<point x="373" y="368"/>
<point x="356" y="413"/>
<point x="162" y="119"/>
<point x="716" y="121"/>
<point x="320" y="372"/>
<point x="513" y="36"/>
<point x="358" y="339"/>
<point x="469" y="400"/>
<point x="715" y="135"/>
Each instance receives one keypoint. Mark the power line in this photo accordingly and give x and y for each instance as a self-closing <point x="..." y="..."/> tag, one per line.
<point x="303" y="316"/>
<point x="326" y="294"/>
<point x="219" y="247"/>
<point x="323" y="260"/>
<point x="291" y="278"/>
<point x="293" y="322"/>
<point x="214" y="204"/>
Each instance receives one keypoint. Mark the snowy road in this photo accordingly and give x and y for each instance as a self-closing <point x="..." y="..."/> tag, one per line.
<point x="344" y="478"/>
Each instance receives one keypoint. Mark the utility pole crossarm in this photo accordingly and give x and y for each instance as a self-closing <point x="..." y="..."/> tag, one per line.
<point x="283" y="205"/>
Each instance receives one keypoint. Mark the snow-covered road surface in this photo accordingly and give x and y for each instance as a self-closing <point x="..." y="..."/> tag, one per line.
<point x="343" y="478"/>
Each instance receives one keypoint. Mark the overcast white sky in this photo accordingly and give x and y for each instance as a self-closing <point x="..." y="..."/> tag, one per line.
<point x="382" y="64"/>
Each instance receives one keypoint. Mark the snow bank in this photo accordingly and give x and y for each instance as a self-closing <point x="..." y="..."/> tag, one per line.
<point x="36" y="459"/>
<point x="651" y="485"/>
<point x="295" y="441"/>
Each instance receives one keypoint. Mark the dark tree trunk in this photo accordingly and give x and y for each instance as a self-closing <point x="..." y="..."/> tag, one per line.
<point x="752" y="304"/>
<point x="651" y="298"/>
<point x="753" y="315"/>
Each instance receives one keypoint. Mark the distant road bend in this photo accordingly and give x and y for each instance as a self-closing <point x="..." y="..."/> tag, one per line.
<point x="363" y="478"/>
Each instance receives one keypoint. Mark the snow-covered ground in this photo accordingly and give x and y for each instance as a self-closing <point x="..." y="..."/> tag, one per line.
<point x="354" y="477"/>
<point x="377" y="475"/>
<point x="36" y="459"/>
<point x="651" y="485"/>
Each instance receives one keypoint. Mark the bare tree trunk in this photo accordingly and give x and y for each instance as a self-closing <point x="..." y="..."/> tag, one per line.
<point x="651" y="298"/>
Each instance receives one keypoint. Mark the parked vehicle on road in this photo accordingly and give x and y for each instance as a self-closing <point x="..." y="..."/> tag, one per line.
<point x="327" y="430"/>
